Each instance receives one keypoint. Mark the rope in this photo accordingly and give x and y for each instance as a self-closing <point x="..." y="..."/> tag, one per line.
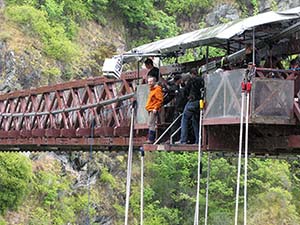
<point x="207" y="188"/>
<point x="88" y="170"/>
<point x="129" y="166"/>
<point x="196" y="218"/>
<point x="246" y="154"/>
<point x="142" y="185"/>
<point x="239" y="162"/>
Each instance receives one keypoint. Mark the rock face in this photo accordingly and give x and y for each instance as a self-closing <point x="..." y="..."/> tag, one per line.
<point x="228" y="11"/>
<point x="222" y="13"/>
<point x="18" y="70"/>
<point x="2" y="4"/>
<point x="8" y="68"/>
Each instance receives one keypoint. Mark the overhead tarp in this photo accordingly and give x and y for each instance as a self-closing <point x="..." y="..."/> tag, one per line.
<point x="213" y="36"/>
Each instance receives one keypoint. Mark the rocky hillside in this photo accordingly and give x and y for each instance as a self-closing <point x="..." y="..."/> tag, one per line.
<point x="28" y="60"/>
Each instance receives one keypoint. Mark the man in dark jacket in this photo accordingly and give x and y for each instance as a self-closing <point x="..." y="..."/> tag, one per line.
<point x="153" y="71"/>
<point x="194" y="90"/>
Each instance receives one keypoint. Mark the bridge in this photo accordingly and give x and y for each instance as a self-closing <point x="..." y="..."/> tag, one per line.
<point x="74" y="115"/>
<point x="96" y="111"/>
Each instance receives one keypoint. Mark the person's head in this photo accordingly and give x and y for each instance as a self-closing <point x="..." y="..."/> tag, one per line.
<point x="294" y="64"/>
<point x="149" y="63"/>
<point x="248" y="49"/>
<point x="178" y="79"/>
<point x="194" y="72"/>
<point x="151" y="81"/>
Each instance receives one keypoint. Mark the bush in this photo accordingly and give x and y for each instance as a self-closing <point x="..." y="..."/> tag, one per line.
<point x="15" y="175"/>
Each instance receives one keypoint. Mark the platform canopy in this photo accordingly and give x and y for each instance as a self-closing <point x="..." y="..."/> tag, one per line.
<point x="233" y="34"/>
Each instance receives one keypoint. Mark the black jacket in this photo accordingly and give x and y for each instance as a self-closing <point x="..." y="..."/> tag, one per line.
<point x="194" y="88"/>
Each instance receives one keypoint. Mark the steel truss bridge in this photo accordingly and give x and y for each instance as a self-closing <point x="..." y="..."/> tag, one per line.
<point x="74" y="115"/>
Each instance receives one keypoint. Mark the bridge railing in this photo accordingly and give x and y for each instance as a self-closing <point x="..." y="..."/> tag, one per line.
<point x="67" y="110"/>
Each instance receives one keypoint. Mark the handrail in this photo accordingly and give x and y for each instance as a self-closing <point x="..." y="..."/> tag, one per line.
<point x="169" y="127"/>
<point x="82" y="107"/>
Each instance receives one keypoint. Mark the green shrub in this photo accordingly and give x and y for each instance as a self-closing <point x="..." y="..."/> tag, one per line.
<point x="97" y="9"/>
<point x="2" y="221"/>
<point x="106" y="177"/>
<point x="15" y="176"/>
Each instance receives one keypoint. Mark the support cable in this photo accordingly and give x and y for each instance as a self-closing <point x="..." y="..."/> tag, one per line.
<point x="207" y="188"/>
<point x="142" y="185"/>
<point x="89" y="172"/>
<point x="246" y="155"/>
<point x="240" y="155"/>
<point x="196" y="217"/>
<point x="250" y="74"/>
<point x="129" y="165"/>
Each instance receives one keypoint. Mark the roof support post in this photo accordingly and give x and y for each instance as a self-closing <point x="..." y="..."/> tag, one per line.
<point x="253" y="43"/>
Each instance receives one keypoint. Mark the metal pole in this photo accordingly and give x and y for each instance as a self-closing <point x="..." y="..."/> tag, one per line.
<point x="207" y="52"/>
<point x="207" y="188"/>
<point x="171" y="137"/>
<point x="138" y="72"/>
<point x="129" y="166"/>
<point x="239" y="162"/>
<point x="159" y="65"/>
<point x="196" y="218"/>
<point x="142" y="185"/>
<point x="89" y="171"/>
<point x="253" y="47"/>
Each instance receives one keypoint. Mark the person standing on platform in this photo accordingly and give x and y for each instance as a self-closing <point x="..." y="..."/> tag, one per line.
<point x="194" y="90"/>
<point x="153" y="105"/>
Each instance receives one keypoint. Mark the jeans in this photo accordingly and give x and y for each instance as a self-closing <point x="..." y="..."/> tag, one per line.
<point x="191" y="111"/>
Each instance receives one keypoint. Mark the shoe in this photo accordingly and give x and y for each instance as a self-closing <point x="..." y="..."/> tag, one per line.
<point x="179" y="143"/>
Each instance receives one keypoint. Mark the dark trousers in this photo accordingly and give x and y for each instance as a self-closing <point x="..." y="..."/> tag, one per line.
<point x="190" y="112"/>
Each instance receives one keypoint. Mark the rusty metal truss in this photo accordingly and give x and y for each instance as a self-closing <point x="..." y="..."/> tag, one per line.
<point x="67" y="114"/>
<point x="74" y="114"/>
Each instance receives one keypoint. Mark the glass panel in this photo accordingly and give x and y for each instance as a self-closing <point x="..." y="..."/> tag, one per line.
<point x="142" y="95"/>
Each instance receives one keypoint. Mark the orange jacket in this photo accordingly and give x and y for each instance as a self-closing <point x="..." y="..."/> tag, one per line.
<point x="155" y="98"/>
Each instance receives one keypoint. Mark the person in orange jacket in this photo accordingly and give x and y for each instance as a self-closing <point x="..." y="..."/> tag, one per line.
<point x="153" y="105"/>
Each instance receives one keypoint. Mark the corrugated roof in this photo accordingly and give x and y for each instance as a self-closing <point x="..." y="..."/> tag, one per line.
<point x="220" y="34"/>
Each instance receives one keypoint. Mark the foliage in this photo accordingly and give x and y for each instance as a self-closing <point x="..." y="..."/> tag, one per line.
<point x="274" y="5"/>
<point x="144" y="20"/>
<point x="57" y="204"/>
<point x="255" y="7"/>
<point x="97" y="9"/>
<point x="106" y="177"/>
<point x="185" y="6"/>
<point x="173" y="186"/>
<point x="2" y="221"/>
<point x="35" y="22"/>
<point x="15" y="175"/>
<point x="273" y="206"/>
